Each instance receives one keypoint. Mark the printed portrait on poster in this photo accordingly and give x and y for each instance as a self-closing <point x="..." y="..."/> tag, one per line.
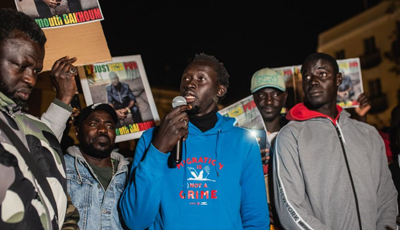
<point x="56" y="13"/>
<point x="351" y="86"/>
<point x="123" y="84"/>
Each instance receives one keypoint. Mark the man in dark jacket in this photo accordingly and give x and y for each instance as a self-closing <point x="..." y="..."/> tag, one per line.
<point x="121" y="98"/>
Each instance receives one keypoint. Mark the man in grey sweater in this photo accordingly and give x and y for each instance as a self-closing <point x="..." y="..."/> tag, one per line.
<point x="330" y="171"/>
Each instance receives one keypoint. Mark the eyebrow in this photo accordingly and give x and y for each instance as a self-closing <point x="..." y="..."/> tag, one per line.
<point x="99" y="120"/>
<point x="322" y="67"/>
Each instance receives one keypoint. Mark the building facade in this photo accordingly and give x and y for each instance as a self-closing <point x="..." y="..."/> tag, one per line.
<point x="374" y="37"/>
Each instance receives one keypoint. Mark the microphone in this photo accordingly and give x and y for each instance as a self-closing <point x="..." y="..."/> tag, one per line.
<point x="178" y="101"/>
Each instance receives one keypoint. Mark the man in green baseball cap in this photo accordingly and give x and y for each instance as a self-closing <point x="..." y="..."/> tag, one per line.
<point x="269" y="93"/>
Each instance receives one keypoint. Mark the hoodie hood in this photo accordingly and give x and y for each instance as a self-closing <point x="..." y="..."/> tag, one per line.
<point x="76" y="153"/>
<point x="301" y="113"/>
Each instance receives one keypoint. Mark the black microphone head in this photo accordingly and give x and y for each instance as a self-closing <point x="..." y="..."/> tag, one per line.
<point x="178" y="101"/>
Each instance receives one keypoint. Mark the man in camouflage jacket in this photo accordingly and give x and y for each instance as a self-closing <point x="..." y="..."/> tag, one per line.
<point x="22" y="204"/>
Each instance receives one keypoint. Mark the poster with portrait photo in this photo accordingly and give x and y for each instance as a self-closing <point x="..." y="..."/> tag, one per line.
<point x="247" y="116"/>
<point x="351" y="86"/>
<point x="119" y="82"/>
<point x="58" y="13"/>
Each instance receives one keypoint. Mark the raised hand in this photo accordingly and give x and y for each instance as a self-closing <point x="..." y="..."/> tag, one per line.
<point x="63" y="77"/>
<point x="364" y="105"/>
<point x="52" y="3"/>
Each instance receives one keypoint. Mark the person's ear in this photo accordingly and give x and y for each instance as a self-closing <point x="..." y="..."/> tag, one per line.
<point x="221" y="91"/>
<point x="339" y="77"/>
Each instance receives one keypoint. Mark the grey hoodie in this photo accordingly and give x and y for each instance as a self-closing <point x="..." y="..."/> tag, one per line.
<point x="313" y="184"/>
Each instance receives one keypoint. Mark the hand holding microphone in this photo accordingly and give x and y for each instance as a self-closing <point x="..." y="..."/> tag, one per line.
<point x="173" y="129"/>
<point x="178" y="101"/>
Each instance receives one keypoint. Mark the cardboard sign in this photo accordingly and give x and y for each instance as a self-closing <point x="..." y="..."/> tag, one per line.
<point x="86" y="42"/>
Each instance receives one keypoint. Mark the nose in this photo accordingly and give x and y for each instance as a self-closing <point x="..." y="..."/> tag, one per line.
<point x="190" y="84"/>
<point x="29" y="77"/>
<point x="102" y="128"/>
<point x="268" y="99"/>
<point x="314" y="80"/>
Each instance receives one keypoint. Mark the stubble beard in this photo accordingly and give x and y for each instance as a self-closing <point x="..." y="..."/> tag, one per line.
<point x="90" y="150"/>
<point x="18" y="101"/>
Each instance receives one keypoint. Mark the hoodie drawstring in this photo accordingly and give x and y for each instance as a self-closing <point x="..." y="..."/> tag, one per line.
<point x="216" y="153"/>
<point x="184" y="179"/>
<point x="77" y="169"/>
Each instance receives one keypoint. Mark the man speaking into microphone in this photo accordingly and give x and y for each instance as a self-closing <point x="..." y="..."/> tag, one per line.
<point x="217" y="184"/>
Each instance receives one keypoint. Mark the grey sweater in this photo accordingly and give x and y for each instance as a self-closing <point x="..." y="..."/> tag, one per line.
<point x="312" y="185"/>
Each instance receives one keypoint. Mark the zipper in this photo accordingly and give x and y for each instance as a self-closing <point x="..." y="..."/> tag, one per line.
<point x="350" y="176"/>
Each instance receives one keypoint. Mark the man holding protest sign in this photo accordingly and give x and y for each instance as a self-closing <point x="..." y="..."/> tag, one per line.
<point x="33" y="185"/>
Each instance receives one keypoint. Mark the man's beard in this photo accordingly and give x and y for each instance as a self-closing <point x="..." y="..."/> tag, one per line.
<point x="20" y="103"/>
<point x="118" y="86"/>
<point x="90" y="150"/>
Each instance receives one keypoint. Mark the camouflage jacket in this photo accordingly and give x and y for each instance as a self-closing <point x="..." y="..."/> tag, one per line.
<point x="22" y="204"/>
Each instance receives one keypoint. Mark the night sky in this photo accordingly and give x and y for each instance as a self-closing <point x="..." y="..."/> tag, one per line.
<point x="244" y="35"/>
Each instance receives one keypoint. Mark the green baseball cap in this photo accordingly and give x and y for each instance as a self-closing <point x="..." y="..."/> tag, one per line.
<point x="267" y="78"/>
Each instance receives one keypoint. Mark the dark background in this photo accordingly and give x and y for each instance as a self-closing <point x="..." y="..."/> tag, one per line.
<point x="244" y="35"/>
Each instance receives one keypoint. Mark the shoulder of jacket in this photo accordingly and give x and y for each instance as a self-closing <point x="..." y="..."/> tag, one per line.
<point x="294" y="125"/>
<point x="353" y="125"/>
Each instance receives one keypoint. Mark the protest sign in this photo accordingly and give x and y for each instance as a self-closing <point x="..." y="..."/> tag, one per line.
<point x="57" y="13"/>
<point x="115" y="82"/>
<point x="247" y="116"/>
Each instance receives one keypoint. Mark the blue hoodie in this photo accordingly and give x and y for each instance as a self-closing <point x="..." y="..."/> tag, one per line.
<point x="218" y="185"/>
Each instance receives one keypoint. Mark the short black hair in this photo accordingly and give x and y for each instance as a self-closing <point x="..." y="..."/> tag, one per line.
<point x="322" y="56"/>
<point x="12" y="20"/>
<point x="222" y="73"/>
